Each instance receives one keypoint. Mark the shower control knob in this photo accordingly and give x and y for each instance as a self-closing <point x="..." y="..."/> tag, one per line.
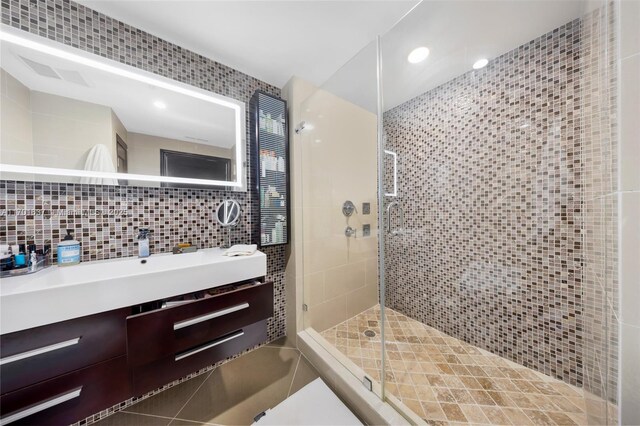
<point x="350" y="232"/>
<point x="348" y="208"/>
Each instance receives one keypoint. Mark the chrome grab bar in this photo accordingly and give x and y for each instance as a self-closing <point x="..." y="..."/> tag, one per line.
<point x="39" y="351"/>
<point x="397" y="231"/>
<point x="207" y="317"/>
<point x="12" y="417"/>
<point x="213" y="344"/>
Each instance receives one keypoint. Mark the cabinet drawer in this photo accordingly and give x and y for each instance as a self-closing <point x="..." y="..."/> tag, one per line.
<point x="158" y="334"/>
<point x="31" y="356"/>
<point x="68" y="398"/>
<point x="158" y="373"/>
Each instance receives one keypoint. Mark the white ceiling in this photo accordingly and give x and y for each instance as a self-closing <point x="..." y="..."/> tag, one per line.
<point x="270" y="40"/>
<point x="185" y="118"/>
<point x="457" y="33"/>
<point x="330" y="42"/>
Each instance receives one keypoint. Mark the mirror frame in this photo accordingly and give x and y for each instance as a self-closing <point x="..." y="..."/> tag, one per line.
<point x="44" y="45"/>
<point x="228" y="206"/>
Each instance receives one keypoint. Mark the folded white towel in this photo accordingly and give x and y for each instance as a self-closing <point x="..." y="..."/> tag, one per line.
<point x="241" y="250"/>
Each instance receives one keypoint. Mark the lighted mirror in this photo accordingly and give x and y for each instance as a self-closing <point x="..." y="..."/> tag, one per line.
<point x="69" y="116"/>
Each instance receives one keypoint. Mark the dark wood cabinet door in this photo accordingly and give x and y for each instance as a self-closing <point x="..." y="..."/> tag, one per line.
<point x="70" y="397"/>
<point x="160" y="372"/>
<point x="41" y="353"/>
<point x="166" y="332"/>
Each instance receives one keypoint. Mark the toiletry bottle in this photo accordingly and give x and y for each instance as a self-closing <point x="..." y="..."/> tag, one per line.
<point x="280" y="125"/>
<point x="20" y="258"/>
<point x="68" y="250"/>
<point x="143" y="242"/>
<point x="6" y="258"/>
<point x="33" y="261"/>
<point x="13" y="250"/>
<point x="269" y="123"/>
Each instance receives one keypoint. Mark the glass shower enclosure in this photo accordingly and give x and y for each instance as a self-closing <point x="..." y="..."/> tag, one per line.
<point x="459" y="249"/>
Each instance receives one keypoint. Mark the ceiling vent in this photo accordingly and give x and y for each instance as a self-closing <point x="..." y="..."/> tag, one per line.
<point x="43" y="70"/>
<point x="73" y="77"/>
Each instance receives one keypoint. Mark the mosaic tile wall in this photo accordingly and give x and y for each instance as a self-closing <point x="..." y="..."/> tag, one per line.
<point x="491" y="175"/>
<point x="109" y="216"/>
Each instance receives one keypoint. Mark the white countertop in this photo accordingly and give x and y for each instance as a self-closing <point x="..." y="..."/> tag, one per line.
<point x="61" y="293"/>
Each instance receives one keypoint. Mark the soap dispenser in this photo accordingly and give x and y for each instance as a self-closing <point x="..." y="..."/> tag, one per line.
<point x="143" y="242"/>
<point x="68" y="250"/>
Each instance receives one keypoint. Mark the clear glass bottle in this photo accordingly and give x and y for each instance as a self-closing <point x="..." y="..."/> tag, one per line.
<point x="143" y="242"/>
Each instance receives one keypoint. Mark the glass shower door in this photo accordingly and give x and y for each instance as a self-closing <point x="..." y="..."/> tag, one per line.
<point x="495" y="261"/>
<point x="338" y="131"/>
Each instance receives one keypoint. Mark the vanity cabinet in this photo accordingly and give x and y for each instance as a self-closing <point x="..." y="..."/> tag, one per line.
<point x="41" y="353"/>
<point x="61" y="373"/>
<point x="70" y="397"/>
<point x="168" y="343"/>
<point x="165" y="370"/>
<point x="170" y="331"/>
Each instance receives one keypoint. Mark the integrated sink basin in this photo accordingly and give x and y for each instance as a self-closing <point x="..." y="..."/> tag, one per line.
<point x="62" y="293"/>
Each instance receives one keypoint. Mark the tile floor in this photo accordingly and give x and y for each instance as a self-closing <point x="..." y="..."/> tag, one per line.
<point x="447" y="381"/>
<point x="232" y="394"/>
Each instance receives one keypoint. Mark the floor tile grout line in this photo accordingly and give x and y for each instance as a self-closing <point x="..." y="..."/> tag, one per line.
<point x="192" y="395"/>
<point x="293" y="378"/>
<point x="143" y="414"/>
<point x="197" y="422"/>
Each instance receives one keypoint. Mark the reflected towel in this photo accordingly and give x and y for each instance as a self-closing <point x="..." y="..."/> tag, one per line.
<point x="241" y="250"/>
<point x="99" y="160"/>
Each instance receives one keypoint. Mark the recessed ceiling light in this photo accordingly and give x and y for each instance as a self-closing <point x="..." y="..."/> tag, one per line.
<point x="480" y="63"/>
<point x="160" y="105"/>
<point x="418" y="54"/>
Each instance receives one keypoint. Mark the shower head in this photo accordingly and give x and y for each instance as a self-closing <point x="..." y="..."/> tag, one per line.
<point x="300" y="127"/>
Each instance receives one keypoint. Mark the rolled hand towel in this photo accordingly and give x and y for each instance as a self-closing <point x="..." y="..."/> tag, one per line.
<point x="241" y="250"/>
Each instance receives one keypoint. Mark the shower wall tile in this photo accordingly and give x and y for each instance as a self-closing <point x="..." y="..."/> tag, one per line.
<point x="106" y="218"/>
<point x="629" y="30"/>
<point x="502" y="173"/>
<point x="337" y="155"/>
<point x="630" y="380"/>
<point x="629" y="131"/>
<point x="630" y="246"/>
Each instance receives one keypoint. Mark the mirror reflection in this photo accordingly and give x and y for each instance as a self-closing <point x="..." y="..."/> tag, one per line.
<point x="88" y="123"/>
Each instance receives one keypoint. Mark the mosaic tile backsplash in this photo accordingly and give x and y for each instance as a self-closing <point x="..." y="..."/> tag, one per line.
<point x="492" y="178"/>
<point x="106" y="218"/>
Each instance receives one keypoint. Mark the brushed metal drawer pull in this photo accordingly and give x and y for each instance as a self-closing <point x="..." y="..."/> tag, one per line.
<point x="39" y="351"/>
<point x="212" y="315"/>
<point x="213" y="344"/>
<point x="41" y="406"/>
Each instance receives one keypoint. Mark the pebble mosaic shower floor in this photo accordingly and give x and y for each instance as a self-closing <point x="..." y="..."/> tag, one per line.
<point x="447" y="381"/>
